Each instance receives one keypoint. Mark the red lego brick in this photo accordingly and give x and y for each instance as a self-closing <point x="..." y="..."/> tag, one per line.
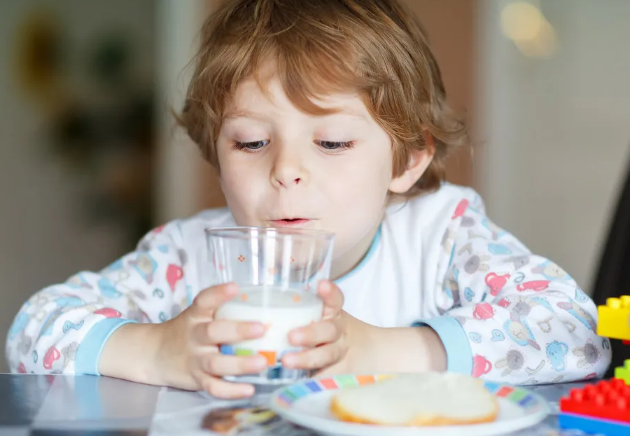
<point x="608" y="399"/>
<point x="626" y="342"/>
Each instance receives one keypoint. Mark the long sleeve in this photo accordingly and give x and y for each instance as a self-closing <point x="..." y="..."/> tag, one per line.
<point x="509" y="315"/>
<point x="63" y="328"/>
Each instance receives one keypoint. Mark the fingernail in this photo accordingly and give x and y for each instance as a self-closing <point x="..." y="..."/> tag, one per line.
<point x="324" y="286"/>
<point x="290" y="361"/>
<point x="257" y="329"/>
<point x="247" y="391"/>
<point x="260" y="362"/>
<point x="231" y="289"/>
<point x="297" y="337"/>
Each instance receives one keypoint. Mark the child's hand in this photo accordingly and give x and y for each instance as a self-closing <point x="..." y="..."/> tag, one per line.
<point x="190" y="357"/>
<point x="344" y="344"/>
<point x="331" y="342"/>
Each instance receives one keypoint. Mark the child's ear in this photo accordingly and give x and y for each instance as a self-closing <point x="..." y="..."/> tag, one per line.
<point x="419" y="161"/>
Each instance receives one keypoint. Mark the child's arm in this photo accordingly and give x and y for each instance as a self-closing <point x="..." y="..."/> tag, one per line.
<point x="63" y="328"/>
<point x="510" y="315"/>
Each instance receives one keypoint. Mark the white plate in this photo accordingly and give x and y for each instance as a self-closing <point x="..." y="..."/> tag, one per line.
<point x="307" y="403"/>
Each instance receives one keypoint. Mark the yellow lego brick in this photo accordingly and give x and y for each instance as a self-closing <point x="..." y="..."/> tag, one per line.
<point x="623" y="372"/>
<point x="614" y="318"/>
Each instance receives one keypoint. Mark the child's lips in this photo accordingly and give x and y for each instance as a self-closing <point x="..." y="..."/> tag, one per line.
<point x="291" y="222"/>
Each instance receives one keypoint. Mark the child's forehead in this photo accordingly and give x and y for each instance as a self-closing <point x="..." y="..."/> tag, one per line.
<point x="256" y="93"/>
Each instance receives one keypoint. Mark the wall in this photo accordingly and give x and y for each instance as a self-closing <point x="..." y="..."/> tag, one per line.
<point x="557" y="130"/>
<point x="179" y="170"/>
<point x="450" y="25"/>
<point x="43" y="237"/>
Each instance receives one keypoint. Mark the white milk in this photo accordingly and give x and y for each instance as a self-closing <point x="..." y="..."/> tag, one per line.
<point x="279" y="310"/>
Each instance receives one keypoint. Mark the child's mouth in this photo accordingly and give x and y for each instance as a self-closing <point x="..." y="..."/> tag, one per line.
<point x="290" y="222"/>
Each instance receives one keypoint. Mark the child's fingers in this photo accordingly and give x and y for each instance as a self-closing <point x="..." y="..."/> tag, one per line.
<point x="222" y="331"/>
<point x="210" y="299"/>
<point x="220" y="365"/>
<point x="315" y="358"/>
<point x="316" y="334"/>
<point x="332" y="297"/>
<point x="226" y="390"/>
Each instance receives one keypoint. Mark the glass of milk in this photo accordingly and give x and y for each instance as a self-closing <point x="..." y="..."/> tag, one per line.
<point x="277" y="271"/>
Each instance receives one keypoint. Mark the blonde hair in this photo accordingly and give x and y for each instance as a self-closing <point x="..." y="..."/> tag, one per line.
<point x="372" y="47"/>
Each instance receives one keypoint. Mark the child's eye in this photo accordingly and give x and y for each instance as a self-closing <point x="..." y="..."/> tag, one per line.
<point x="250" y="146"/>
<point x="334" y="145"/>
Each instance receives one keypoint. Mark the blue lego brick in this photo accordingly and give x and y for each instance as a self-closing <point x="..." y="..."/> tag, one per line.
<point x="593" y="425"/>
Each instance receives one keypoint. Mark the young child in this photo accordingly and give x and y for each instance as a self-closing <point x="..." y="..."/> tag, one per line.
<point x="327" y="114"/>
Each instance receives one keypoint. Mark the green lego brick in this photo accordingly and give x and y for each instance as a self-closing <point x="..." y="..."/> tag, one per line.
<point x="623" y="372"/>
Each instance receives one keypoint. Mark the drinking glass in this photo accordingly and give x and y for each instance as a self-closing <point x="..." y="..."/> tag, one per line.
<point x="277" y="271"/>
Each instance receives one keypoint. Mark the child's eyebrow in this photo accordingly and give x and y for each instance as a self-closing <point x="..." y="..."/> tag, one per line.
<point x="244" y="113"/>
<point x="346" y="111"/>
<point x="352" y="113"/>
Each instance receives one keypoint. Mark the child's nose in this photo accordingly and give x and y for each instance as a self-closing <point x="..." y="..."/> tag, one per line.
<point x="285" y="179"/>
<point x="288" y="182"/>
<point x="288" y="171"/>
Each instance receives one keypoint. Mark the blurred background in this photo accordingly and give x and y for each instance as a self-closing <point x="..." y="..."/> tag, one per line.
<point x="90" y="159"/>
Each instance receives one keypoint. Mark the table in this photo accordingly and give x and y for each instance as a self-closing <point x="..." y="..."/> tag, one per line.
<point x="47" y="405"/>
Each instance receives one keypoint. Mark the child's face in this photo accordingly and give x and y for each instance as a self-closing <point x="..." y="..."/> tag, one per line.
<point x="281" y="167"/>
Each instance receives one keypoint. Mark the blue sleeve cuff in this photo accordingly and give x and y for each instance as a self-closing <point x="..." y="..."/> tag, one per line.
<point x="453" y="336"/>
<point x="89" y="351"/>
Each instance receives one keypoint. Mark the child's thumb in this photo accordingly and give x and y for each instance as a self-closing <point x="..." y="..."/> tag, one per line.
<point x="331" y="295"/>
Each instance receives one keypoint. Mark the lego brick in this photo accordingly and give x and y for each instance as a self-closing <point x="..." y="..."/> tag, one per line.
<point x="608" y="399"/>
<point x="623" y="372"/>
<point x="614" y="318"/>
<point x="588" y="425"/>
